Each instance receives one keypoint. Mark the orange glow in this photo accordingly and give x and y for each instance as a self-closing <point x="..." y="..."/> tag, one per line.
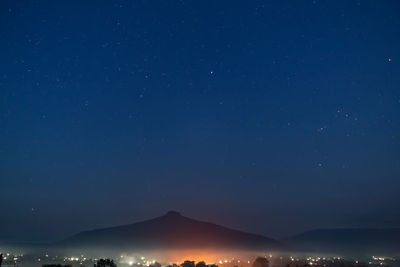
<point x="229" y="258"/>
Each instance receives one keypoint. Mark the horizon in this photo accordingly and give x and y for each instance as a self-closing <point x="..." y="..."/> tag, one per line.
<point x="272" y="118"/>
<point x="179" y="214"/>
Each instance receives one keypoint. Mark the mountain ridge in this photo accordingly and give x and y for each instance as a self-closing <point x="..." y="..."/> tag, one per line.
<point x="171" y="230"/>
<point x="343" y="240"/>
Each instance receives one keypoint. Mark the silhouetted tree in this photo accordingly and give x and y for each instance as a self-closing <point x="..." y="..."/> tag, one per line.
<point x="56" y="265"/>
<point x="261" y="262"/>
<point x="212" y="265"/>
<point x="1" y="259"/>
<point x="105" y="263"/>
<point x="201" y="264"/>
<point x="188" y="264"/>
<point x="156" y="264"/>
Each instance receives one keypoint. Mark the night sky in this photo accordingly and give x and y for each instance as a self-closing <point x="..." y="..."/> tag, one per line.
<point x="273" y="117"/>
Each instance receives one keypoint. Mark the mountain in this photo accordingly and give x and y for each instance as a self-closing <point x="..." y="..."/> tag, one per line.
<point x="172" y="231"/>
<point x="349" y="240"/>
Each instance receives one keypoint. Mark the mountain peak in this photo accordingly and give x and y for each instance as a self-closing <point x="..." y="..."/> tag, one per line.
<point x="171" y="230"/>
<point x="173" y="213"/>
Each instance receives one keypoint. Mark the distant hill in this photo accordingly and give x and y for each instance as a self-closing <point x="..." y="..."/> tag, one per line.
<point x="350" y="240"/>
<point x="172" y="231"/>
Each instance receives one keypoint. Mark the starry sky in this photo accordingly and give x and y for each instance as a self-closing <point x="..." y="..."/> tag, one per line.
<point x="273" y="117"/>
